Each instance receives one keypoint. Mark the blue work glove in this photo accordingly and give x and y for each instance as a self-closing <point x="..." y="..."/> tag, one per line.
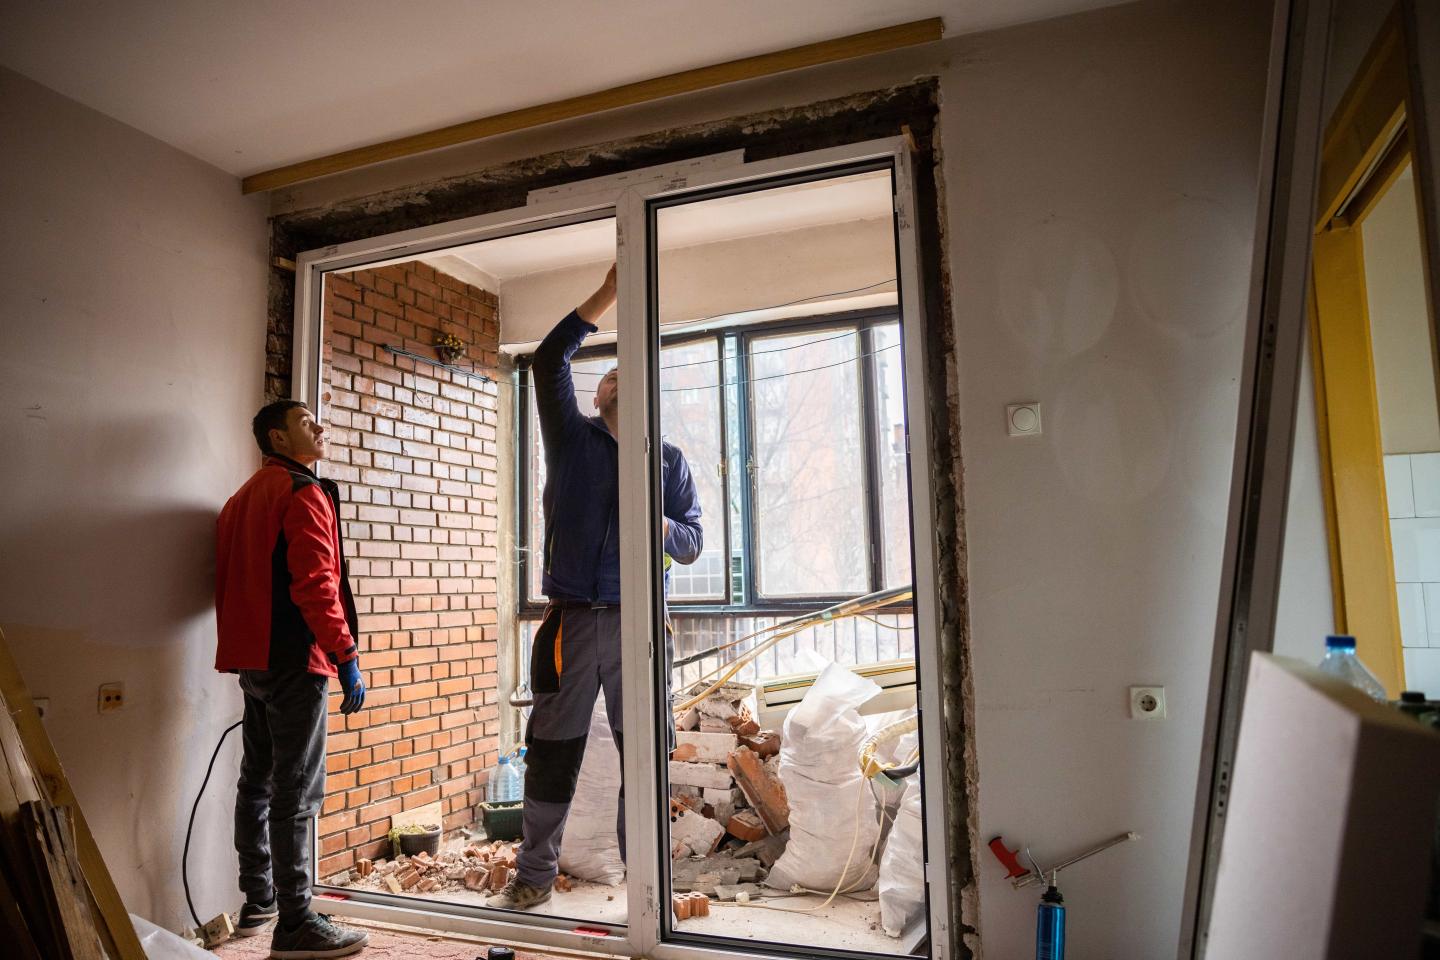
<point x="353" y="684"/>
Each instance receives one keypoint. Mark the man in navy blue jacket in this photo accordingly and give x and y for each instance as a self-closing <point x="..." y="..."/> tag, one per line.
<point x="576" y="650"/>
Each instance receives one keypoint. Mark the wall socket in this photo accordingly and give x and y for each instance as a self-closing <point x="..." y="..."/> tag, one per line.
<point x="1147" y="703"/>
<point x="112" y="697"/>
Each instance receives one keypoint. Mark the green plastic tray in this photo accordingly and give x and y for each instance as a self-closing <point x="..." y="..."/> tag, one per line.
<point x="502" y="821"/>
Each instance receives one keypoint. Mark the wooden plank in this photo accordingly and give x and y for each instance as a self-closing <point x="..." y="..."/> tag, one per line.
<point x="687" y="81"/>
<point x="1354" y="461"/>
<point x="18" y="787"/>
<point x="12" y="921"/>
<point x="75" y="929"/>
<point x="117" y="933"/>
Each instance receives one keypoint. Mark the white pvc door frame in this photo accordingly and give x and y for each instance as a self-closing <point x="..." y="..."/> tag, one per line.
<point x="629" y="199"/>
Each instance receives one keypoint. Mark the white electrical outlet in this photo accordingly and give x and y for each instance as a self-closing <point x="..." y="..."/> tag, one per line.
<point x="1023" y="419"/>
<point x="112" y="697"/>
<point x="1147" y="703"/>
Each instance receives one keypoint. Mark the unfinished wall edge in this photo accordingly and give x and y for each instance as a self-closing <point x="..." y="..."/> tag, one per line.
<point x="776" y="133"/>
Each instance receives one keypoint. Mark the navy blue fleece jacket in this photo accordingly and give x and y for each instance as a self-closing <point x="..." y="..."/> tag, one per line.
<point x="582" y="478"/>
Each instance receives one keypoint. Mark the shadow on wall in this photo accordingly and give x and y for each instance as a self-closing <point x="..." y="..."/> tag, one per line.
<point x="99" y="591"/>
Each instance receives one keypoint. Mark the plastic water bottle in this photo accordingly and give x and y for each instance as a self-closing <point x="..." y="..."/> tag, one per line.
<point x="500" y="788"/>
<point x="1340" y="661"/>
<point x="519" y="764"/>
<point x="513" y="783"/>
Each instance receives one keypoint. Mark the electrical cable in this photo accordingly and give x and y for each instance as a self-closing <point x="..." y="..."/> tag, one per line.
<point x="185" y="856"/>
<point x="685" y="324"/>
<point x="781" y="376"/>
<point x="854" y="841"/>
<point x="789" y="628"/>
<point x="709" y="386"/>
<point x="681" y="324"/>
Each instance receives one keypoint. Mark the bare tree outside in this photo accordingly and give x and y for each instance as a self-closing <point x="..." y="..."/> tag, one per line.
<point x="808" y="470"/>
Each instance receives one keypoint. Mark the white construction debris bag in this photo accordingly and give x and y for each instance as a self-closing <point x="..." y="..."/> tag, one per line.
<point x="160" y="944"/>
<point x="833" y="821"/>
<point x="589" y="847"/>
<point x="902" y="880"/>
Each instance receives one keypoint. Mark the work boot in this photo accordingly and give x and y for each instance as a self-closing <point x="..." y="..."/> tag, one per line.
<point x="519" y="896"/>
<point x="315" y="939"/>
<point x="254" y="916"/>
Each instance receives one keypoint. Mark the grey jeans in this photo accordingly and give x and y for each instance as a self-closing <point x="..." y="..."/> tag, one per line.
<point x="575" y="653"/>
<point x="282" y="783"/>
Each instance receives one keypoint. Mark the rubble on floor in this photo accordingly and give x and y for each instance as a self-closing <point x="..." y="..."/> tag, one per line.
<point x="729" y="819"/>
<point x="724" y="767"/>
<point x="479" y="867"/>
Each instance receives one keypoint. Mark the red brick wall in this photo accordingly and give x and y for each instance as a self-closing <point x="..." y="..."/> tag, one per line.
<point x="414" y="449"/>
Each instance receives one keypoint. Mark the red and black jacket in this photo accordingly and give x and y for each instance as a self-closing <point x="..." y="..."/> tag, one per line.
<point x="282" y="594"/>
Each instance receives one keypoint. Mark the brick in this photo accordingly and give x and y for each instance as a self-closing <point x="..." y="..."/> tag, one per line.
<point x="747" y="826"/>
<point x="693" y="745"/>
<point x="700" y="774"/>
<point x="761" y="787"/>
<point x="380" y="771"/>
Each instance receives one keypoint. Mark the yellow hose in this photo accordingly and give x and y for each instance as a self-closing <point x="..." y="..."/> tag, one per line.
<point x="869" y="766"/>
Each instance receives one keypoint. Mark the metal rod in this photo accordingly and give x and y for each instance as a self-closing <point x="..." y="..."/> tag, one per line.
<point x="1027" y="880"/>
<point x="399" y="352"/>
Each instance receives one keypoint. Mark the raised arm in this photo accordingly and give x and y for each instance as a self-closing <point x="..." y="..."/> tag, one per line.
<point x="554" y="385"/>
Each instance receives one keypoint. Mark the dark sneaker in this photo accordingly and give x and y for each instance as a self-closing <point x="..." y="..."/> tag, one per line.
<point x="519" y="896"/>
<point x="316" y="939"/>
<point x="254" y="917"/>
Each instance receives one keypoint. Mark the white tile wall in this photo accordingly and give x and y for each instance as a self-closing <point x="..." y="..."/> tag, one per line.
<point x="1412" y="488"/>
<point x="1399" y="491"/>
<point x="1416" y="542"/>
<point x="1422" y="671"/>
<point x="1432" y="612"/>
<point x="1414" y="631"/>
<point x="1425" y="473"/>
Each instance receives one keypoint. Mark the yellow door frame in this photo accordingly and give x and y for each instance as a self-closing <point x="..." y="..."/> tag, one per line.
<point x="1367" y="145"/>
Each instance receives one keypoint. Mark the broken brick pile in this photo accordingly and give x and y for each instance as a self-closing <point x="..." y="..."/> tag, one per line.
<point x="479" y="867"/>
<point x="729" y="819"/>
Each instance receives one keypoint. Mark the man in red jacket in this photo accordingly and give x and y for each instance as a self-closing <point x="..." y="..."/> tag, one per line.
<point x="286" y="625"/>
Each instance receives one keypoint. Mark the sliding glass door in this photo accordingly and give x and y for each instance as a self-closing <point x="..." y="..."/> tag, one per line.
<point x="773" y="706"/>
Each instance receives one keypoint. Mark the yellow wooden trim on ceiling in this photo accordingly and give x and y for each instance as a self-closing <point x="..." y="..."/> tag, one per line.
<point x="1354" y="459"/>
<point x="687" y="81"/>
<point x="1364" y="122"/>
<point x="1380" y="179"/>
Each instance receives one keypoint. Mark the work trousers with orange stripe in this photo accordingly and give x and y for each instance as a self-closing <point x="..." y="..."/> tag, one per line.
<point x="574" y="655"/>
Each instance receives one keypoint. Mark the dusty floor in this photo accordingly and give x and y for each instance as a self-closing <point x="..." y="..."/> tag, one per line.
<point x="845" y="924"/>
<point x="386" y="943"/>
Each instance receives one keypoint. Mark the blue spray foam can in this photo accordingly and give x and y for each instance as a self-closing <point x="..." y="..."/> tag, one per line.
<point x="1050" y="926"/>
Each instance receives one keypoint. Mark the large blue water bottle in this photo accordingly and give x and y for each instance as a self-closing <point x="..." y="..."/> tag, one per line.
<point x="1050" y="926"/>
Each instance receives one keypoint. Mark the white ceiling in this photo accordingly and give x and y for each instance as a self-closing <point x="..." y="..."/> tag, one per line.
<point x="252" y="85"/>
<point x="864" y="196"/>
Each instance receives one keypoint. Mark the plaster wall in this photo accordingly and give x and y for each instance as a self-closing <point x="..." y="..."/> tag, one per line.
<point x="1400" y="323"/>
<point x="132" y="304"/>
<point x="1102" y="181"/>
<point x="1099" y="206"/>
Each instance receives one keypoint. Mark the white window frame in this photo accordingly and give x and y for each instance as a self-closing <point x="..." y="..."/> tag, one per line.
<point x="629" y="197"/>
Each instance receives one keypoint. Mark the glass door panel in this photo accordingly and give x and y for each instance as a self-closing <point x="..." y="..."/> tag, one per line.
<point x="775" y="834"/>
